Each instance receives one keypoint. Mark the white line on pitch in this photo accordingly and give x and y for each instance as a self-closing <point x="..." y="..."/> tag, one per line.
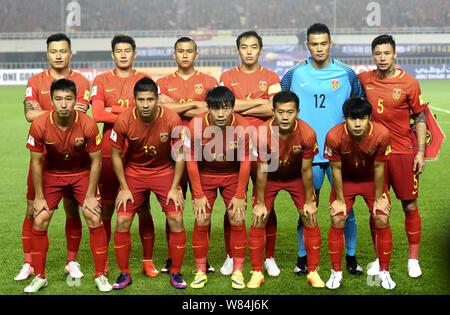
<point x="440" y="109"/>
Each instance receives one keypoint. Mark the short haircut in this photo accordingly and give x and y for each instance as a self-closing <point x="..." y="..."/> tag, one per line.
<point x="249" y="34"/>
<point x="122" y="38"/>
<point x="185" y="39"/>
<point x="317" y="29"/>
<point x="383" y="39"/>
<point x="356" y="107"/>
<point x="219" y="96"/>
<point x="63" y="85"/>
<point x="57" y="38"/>
<point x="286" y="97"/>
<point x="145" y="85"/>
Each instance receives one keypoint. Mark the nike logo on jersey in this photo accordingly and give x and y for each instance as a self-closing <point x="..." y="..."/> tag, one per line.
<point x="109" y="90"/>
<point x="134" y="138"/>
<point x="180" y="247"/>
<point x="370" y="88"/>
<point x="171" y="90"/>
<point x="316" y="247"/>
<point x="49" y="142"/>
<point x="45" y="91"/>
<point x="234" y="83"/>
<point x="302" y="85"/>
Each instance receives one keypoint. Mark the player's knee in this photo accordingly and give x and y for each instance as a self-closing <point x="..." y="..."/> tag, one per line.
<point x="381" y="221"/>
<point x="409" y="205"/>
<point x="235" y="221"/>
<point x="206" y="221"/>
<point x="123" y="223"/>
<point x="41" y="222"/>
<point x="338" y="221"/>
<point x="93" y="220"/>
<point x="175" y="223"/>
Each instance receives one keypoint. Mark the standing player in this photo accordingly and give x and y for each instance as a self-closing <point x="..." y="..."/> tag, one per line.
<point x="358" y="150"/>
<point x="147" y="131"/>
<point x="37" y="102"/>
<point x="65" y="156"/>
<point x="219" y="162"/>
<point x="293" y="153"/>
<point x="323" y="84"/>
<point x="394" y="95"/>
<point x="112" y="93"/>
<point x="253" y="86"/>
<point x="186" y="90"/>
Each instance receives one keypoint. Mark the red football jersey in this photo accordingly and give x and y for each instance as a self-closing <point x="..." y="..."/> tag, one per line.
<point x="358" y="157"/>
<point x="38" y="88"/>
<point x="192" y="89"/>
<point x="300" y="144"/>
<point x="223" y="156"/>
<point x="117" y="93"/>
<point x="148" y="145"/>
<point x="262" y="83"/>
<point x="66" y="152"/>
<point x="393" y="101"/>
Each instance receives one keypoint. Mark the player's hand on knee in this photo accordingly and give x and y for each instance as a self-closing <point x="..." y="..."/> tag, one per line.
<point x="122" y="198"/>
<point x="383" y="205"/>
<point x="91" y="205"/>
<point x="260" y="215"/>
<point x="199" y="206"/>
<point x="237" y="207"/>
<point x="309" y="212"/>
<point x="177" y="197"/>
<point x="337" y="207"/>
<point x="39" y="205"/>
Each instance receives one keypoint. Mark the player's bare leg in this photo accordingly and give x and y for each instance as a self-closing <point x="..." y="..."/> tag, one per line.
<point x="73" y="237"/>
<point x="27" y="269"/>
<point x="177" y="248"/>
<point x="413" y="227"/>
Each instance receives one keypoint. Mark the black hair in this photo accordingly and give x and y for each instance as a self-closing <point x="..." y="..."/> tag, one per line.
<point x="286" y="97"/>
<point x="356" y="107"/>
<point x="219" y="96"/>
<point x="383" y="39"/>
<point x="249" y="34"/>
<point x="145" y="85"/>
<point x="121" y="38"/>
<point x="57" y="37"/>
<point x="185" y="39"/>
<point x="318" y="28"/>
<point x="63" y="85"/>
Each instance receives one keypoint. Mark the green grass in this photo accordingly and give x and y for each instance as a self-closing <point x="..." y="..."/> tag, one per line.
<point x="434" y="204"/>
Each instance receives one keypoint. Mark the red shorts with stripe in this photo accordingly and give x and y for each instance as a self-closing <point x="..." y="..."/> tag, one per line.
<point x="108" y="183"/>
<point x="364" y="189"/>
<point x="294" y="187"/>
<point x="400" y="176"/>
<point x="141" y="187"/>
<point x="227" y="185"/>
<point x="57" y="186"/>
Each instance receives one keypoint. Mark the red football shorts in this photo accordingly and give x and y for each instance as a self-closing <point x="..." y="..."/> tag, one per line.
<point x="365" y="189"/>
<point x="294" y="187"/>
<point x="227" y="185"/>
<point x="57" y="186"/>
<point x="141" y="187"/>
<point x="399" y="174"/>
<point x="108" y="183"/>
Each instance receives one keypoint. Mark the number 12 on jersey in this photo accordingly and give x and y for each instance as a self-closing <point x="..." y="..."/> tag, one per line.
<point x="319" y="99"/>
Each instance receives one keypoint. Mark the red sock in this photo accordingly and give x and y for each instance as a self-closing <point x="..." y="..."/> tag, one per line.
<point x="27" y="226"/>
<point x="335" y="247"/>
<point x="384" y="247"/>
<point x="271" y="234"/>
<point x="227" y="233"/>
<point x="168" y="238"/>
<point x="200" y="245"/>
<point x="413" y="226"/>
<point x="99" y="248"/>
<point x="238" y="244"/>
<point x="147" y="234"/>
<point x="122" y="248"/>
<point x="107" y="226"/>
<point x="39" y="249"/>
<point x="177" y="249"/>
<point x="373" y="233"/>
<point x="312" y="245"/>
<point x="256" y="244"/>
<point x="73" y="237"/>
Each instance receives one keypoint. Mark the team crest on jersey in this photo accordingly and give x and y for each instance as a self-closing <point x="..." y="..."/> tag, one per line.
<point x="297" y="149"/>
<point x="198" y="88"/>
<point x="396" y="93"/>
<point x="79" y="142"/>
<point x="262" y="86"/>
<point x="164" y="136"/>
<point x="335" y="84"/>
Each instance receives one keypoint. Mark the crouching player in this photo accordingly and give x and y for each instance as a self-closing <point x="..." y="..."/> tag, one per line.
<point x="294" y="152"/>
<point x="65" y="157"/>
<point x="358" y="150"/>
